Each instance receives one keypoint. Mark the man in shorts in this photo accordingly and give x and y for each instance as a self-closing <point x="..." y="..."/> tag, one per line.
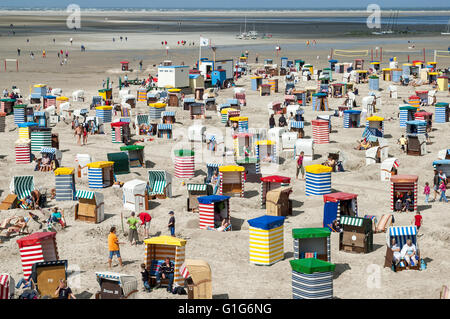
<point x="133" y="236"/>
<point x="113" y="246"/>
<point x="145" y="222"/>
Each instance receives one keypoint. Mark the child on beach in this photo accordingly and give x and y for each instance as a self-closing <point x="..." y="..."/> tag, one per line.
<point x="426" y="191"/>
<point x="417" y="220"/>
<point x="145" y="278"/>
<point x="443" y="188"/>
<point x="300" y="165"/>
<point x="171" y="224"/>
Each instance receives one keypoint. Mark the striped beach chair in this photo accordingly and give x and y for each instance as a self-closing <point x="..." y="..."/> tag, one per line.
<point x="159" y="183"/>
<point x="401" y="234"/>
<point x="22" y="186"/>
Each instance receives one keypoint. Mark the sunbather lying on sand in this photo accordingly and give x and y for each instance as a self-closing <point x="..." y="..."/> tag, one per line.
<point x="18" y="226"/>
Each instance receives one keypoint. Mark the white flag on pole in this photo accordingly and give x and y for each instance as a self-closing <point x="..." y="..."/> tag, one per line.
<point x="204" y="42"/>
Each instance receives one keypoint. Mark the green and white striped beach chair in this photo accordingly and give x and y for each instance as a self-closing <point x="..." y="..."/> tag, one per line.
<point x="159" y="183"/>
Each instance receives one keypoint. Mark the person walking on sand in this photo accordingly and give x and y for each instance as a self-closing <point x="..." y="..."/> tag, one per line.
<point x="300" y="166"/>
<point x="18" y="52"/>
<point x="417" y="221"/>
<point x="271" y="121"/>
<point x="171" y="224"/>
<point x="443" y="188"/>
<point x="435" y="185"/>
<point x="113" y="246"/>
<point x="426" y="191"/>
<point x="402" y="141"/>
<point x="43" y="54"/>
<point x="85" y="133"/>
<point x="78" y="132"/>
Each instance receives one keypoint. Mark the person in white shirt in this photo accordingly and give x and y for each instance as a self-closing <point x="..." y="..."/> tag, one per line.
<point x="409" y="253"/>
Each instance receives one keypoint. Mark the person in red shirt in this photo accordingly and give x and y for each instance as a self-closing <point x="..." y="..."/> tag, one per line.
<point x="145" y="221"/>
<point x="418" y="220"/>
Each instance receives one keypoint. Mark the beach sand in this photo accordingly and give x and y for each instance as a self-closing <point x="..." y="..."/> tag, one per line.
<point x="84" y="245"/>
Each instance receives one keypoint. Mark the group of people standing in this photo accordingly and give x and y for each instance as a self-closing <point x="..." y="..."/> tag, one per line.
<point x="439" y="187"/>
<point x="282" y="121"/>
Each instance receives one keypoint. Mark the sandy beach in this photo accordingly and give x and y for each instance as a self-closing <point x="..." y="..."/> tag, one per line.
<point x="84" y="245"/>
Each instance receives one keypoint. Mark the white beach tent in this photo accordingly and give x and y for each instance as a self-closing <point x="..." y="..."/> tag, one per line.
<point x="292" y="108"/>
<point x="442" y="154"/>
<point x="66" y="111"/>
<point x="351" y="99"/>
<point x="78" y="95"/>
<point x="56" y="92"/>
<point x="274" y="134"/>
<point x="383" y="149"/>
<point x="393" y="91"/>
<point x="387" y="166"/>
<point x="98" y="121"/>
<point x="196" y="132"/>
<point x="134" y="195"/>
<point x="305" y="145"/>
<point x="368" y="105"/>
<point x="288" y="140"/>
<point x="82" y="160"/>
<point x="123" y="93"/>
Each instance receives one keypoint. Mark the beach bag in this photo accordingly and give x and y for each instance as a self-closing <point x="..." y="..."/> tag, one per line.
<point x="179" y="291"/>
<point x="423" y="265"/>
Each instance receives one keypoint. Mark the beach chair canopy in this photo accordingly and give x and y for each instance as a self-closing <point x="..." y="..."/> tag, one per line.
<point x="121" y="162"/>
<point x="165" y="240"/>
<point x="128" y="283"/>
<point x="22" y="186"/>
<point x="200" y="273"/>
<point x="335" y="197"/>
<point x="303" y="233"/>
<point x="276" y="179"/>
<point x="35" y="239"/>
<point x="266" y="222"/>
<point x="157" y="182"/>
<point x="212" y="199"/>
<point x="401" y="234"/>
<point x="404" y="178"/>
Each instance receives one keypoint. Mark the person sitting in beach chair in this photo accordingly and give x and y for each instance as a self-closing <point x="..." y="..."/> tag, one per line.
<point x="166" y="271"/>
<point x="330" y="162"/>
<point x="397" y="256"/>
<point x="363" y="145"/>
<point x="408" y="202"/>
<point x="409" y="253"/>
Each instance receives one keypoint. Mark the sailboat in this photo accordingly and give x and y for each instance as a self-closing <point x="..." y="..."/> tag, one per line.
<point x="448" y="29"/>
<point x="390" y="28"/>
<point x="253" y="33"/>
<point x="239" y="36"/>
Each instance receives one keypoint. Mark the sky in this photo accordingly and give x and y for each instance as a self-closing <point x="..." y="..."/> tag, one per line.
<point x="229" y="4"/>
